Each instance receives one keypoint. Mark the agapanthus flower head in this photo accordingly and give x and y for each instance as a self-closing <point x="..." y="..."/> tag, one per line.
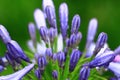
<point x="57" y="55"/>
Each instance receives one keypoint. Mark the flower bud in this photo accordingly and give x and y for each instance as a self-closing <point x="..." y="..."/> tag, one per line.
<point x="92" y="28"/>
<point x="32" y="32"/>
<point x="51" y="17"/>
<point x="16" y="51"/>
<point x="37" y="73"/>
<point x="63" y="15"/>
<point x="55" y="75"/>
<point x="54" y="57"/>
<point x="44" y="33"/>
<point x="49" y="53"/>
<point x="39" y="18"/>
<point x="4" y="35"/>
<point x="74" y="58"/>
<point x="52" y="34"/>
<point x="84" y="73"/>
<point x="102" y="60"/>
<point x="75" y="24"/>
<point x="42" y="62"/>
<point x="46" y="3"/>
<point x="74" y="40"/>
<point x="61" y="58"/>
<point x="102" y="39"/>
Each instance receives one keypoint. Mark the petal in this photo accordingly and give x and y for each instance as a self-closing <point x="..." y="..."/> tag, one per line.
<point x="115" y="67"/>
<point x="19" y="74"/>
<point x="39" y="18"/>
<point x="46" y="3"/>
<point x="31" y="46"/>
<point x="90" y="50"/>
<point x="41" y="48"/>
<point x="60" y="43"/>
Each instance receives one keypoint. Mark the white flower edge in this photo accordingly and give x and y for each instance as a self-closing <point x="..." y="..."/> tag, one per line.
<point x="60" y="43"/>
<point x="115" y="67"/>
<point x="39" y="18"/>
<point x="19" y="74"/>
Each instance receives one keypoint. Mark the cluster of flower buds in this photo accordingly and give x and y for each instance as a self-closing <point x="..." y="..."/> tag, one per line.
<point x="58" y="49"/>
<point x="56" y="54"/>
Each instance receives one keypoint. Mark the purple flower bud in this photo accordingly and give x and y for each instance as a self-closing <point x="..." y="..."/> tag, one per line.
<point x="50" y="13"/>
<point x="44" y="33"/>
<point x="92" y="28"/>
<point x="37" y="73"/>
<point x="52" y="34"/>
<point x="10" y="59"/>
<point x="75" y="39"/>
<point x="102" y="39"/>
<point x="4" y="35"/>
<point x="68" y="44"/>
<point x="49" y="52"/>
<point x="61" y="58"/>
<point x="63" y="15"/>
<point x="32" y="32"/>
<point x="46" y="3"/>
<point x="84" y="73"/>
<point x="102" y="60"/>
<point x="54" y="57"/>
<point x="75" y="24"/>
<point x="78" y="37"/>
<point x="74" y="58"/>
<point x="55" y="75"/>
<point x="1" y="68"/>
<point x="16" y="51"/>
<point x="42" y="62"/>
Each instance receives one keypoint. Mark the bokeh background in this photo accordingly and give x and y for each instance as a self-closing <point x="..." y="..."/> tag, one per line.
<point x="16" y="14"/>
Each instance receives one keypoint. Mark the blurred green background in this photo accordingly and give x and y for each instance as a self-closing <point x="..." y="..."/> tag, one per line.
<point x="16" y="14"/>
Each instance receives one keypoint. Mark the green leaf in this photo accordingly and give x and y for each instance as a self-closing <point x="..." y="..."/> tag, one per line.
<point x="66" y="68"/>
